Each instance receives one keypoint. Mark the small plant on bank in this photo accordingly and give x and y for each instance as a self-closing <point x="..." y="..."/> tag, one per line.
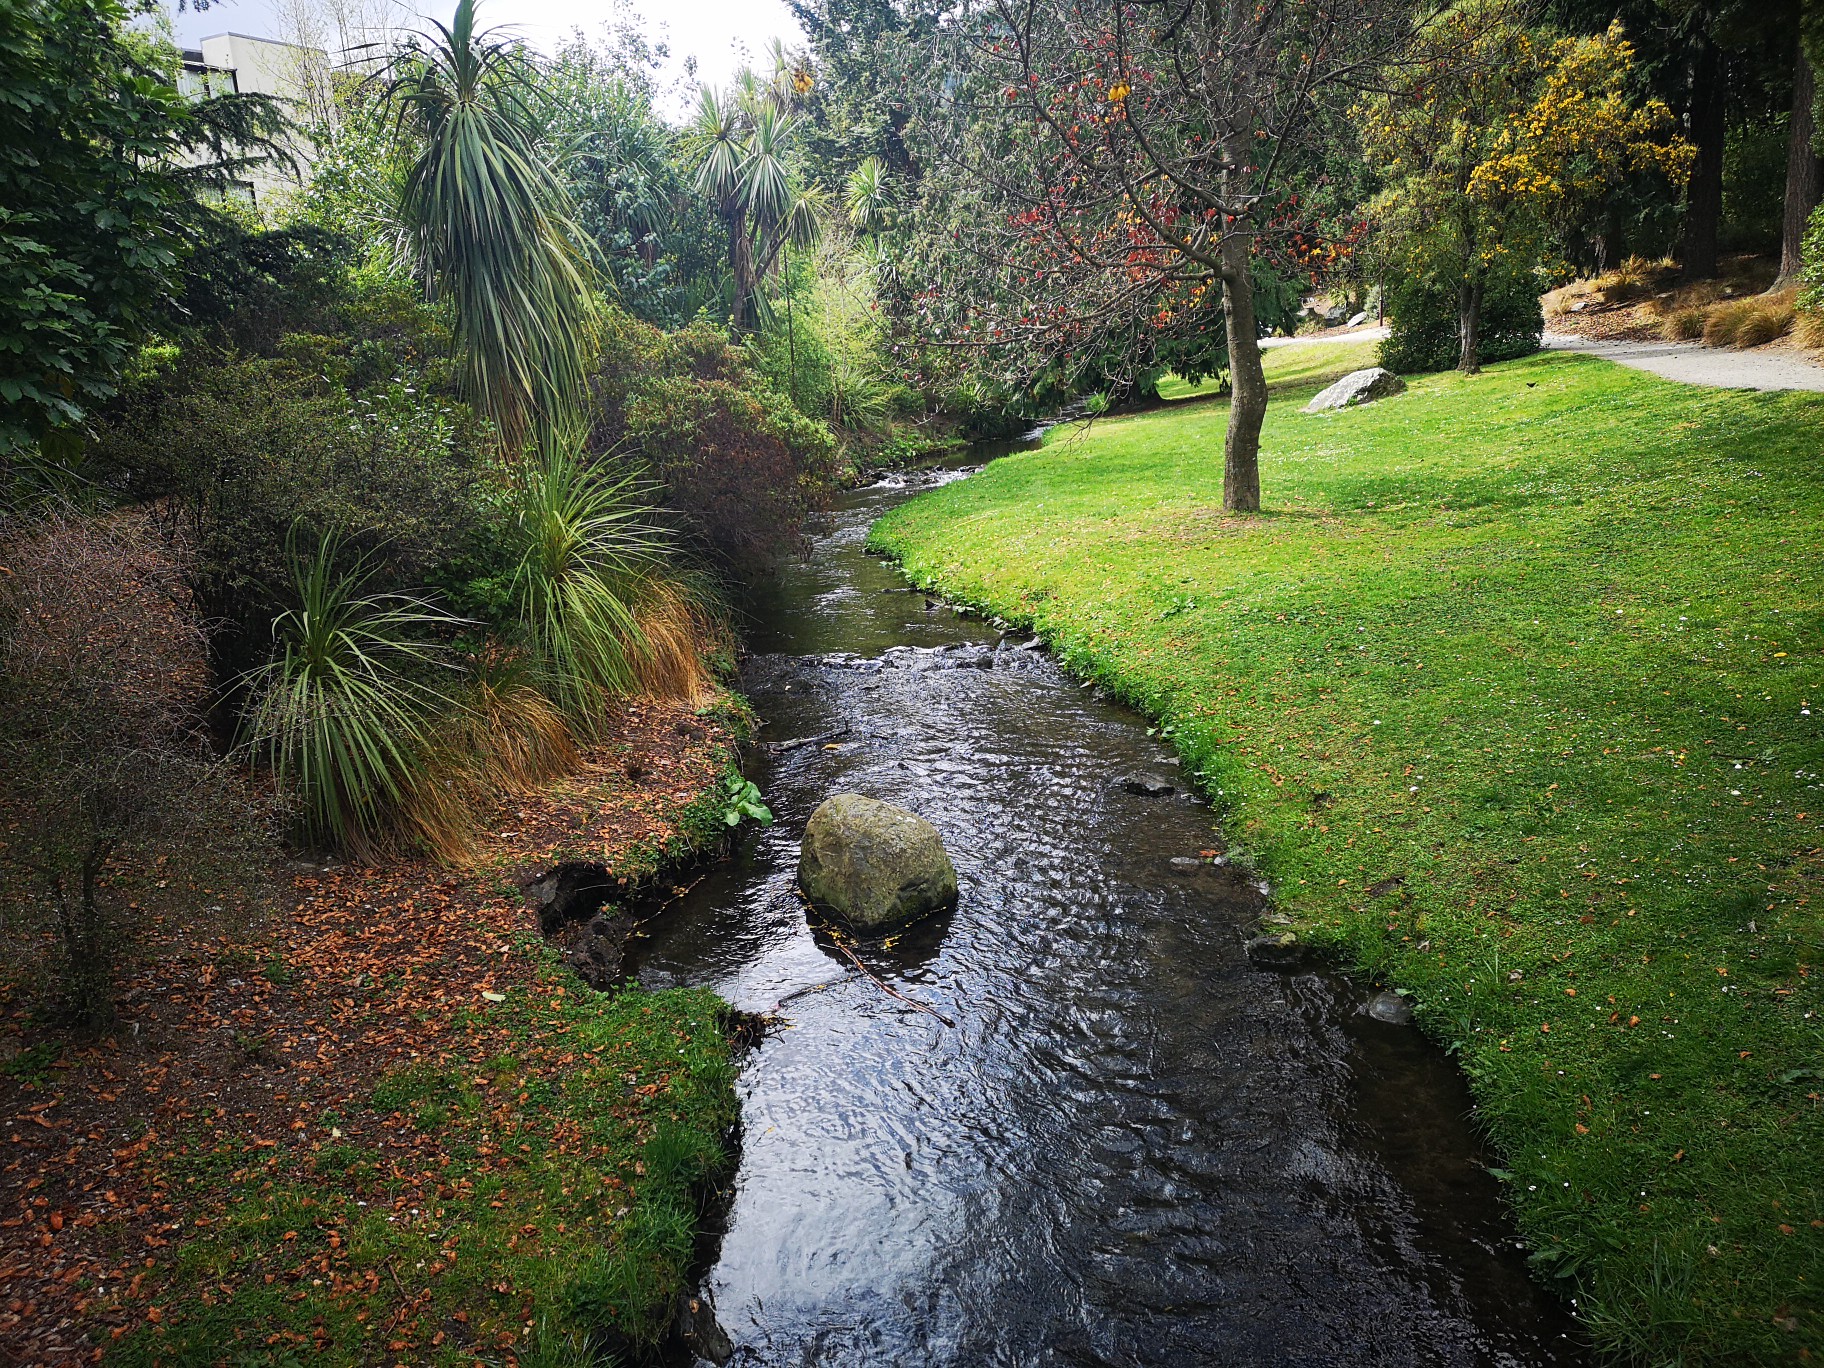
<point x="743" y="800"/>
<point x="343" y="710"/>
<point x="588" y="549"/>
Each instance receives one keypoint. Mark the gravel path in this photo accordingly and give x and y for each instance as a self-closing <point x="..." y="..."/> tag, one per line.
<point x="1696" y="365"/>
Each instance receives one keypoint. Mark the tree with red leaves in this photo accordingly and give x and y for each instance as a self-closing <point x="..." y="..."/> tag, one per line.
<point x="1133" y="161"/>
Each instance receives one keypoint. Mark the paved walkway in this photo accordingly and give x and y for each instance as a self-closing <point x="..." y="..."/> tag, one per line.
<point x="1696" y="365"/>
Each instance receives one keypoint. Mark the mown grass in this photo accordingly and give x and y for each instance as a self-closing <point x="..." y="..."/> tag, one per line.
<point x="1301" y="365"/>
<point x="539" y="1206"/>
<point x="1515" y="692"/>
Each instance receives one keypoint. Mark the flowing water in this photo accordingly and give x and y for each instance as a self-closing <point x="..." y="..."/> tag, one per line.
<point x="1131" y="1147"/>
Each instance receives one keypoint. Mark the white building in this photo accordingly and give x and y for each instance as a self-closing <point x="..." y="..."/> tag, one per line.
<point x="298" y="77"/>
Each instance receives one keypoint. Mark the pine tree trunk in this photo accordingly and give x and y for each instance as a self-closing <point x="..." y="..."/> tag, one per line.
<point x="1704" y="191"/>
<point x="1804" y="172"/>
<point x="1247" y="381"/>
<point x="1469" y="327"/>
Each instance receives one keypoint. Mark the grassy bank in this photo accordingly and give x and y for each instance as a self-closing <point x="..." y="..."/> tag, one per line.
<point x="386" y="1126"/>
<point x="1516" y="693"/>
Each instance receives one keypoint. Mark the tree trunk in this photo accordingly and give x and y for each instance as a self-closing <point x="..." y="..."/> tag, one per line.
<point x="1247" y="380"/>
<point x="1469" y="326"/>
<point x="1804" y="172"/>
<point x="1704" y="191"/>
<point x="741" y="266"/>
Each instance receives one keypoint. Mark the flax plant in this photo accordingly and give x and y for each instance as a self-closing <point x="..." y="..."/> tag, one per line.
<point x="589" y="549"/>
<point x="342" y="711"/>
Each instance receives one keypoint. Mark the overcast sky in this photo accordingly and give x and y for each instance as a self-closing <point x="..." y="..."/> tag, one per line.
<point x="720" y="34"/>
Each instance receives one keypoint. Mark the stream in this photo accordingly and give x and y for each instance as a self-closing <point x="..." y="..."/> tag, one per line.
<point x="1132" y="1147"/>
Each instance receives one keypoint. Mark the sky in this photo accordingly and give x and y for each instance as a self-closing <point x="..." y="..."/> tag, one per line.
<point x="720" y="34"/>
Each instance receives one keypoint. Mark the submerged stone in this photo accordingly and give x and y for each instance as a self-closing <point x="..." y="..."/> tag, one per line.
<point x="1390" y="1008"/>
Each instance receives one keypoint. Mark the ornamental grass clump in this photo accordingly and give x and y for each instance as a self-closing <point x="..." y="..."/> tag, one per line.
<point x="1768" y="321"/>
<point x="1684" y="325"/>
<point x="1724" y="322"/>
<point x="590" y="549"/>
<point x="343" y="710"/>
<point x="502" y="735"/>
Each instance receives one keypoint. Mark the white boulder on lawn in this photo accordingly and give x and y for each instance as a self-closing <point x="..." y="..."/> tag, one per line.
<point x="1357" y="387"/>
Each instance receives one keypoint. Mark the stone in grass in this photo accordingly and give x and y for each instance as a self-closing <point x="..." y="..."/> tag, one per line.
<point x="872" y="864"/>
<point x="1357" y="387"/>
<point x="1390" y="1008"/>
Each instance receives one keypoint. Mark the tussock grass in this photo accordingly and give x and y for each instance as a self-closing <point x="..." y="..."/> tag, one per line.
<point x="1748" y="322"/>
<point x="1634" y="277"/>
<point x="1724" y="321"/>
<point x="503" y="736"/>
<point x="1770" y="320"/>
<point x="1808" y="330"/>
<point x="1684" y="325"/>
<point x="675" y="634"/>
<point x="1549" y="642"/>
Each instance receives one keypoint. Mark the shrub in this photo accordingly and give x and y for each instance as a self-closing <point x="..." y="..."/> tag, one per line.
<point x="1811" y="264"/>
<point x="237" y="452"/>
<point x="1423" y="328"/>
<point x="738" y="463"/>
<point x="114" y="801"/>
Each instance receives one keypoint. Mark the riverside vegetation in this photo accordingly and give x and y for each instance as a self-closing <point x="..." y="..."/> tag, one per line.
<point x="1513" y="692"/>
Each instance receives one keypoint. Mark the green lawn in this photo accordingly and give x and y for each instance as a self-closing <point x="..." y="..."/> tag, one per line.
<point x="1516" y="693"/>
<point x="1302" y="365"/>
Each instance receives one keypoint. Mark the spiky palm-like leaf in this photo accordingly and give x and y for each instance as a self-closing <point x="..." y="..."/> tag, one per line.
<point x="588" y="544"/>
<point x="341" y="711"/>
<point x="493" y="223"/>
<point x="866" y="195"/>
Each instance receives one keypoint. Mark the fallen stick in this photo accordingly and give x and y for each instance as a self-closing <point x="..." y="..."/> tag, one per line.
<point x="889" y="990"/>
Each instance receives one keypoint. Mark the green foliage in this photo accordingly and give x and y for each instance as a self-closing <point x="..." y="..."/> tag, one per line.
<point x="743" y="800"/>
<point x="239" y="450"/>
<point x="1525" y="633"/>
<point x="1423" y="318"/>
<point x="1811" y="272"/>
<point x="489" y="226"/>
<point x="586" y="542"/>
<point x="739" y="463"/>
<point x="342" y="712"/>
<point x="104" y="173"/>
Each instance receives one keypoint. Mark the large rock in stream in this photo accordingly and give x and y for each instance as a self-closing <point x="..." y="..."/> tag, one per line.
<point x="872" y="864"/>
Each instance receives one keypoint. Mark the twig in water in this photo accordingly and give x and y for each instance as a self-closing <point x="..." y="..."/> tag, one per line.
<point x="889" y="990"/>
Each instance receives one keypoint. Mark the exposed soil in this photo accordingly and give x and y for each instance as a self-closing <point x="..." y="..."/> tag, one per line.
<point x="229" y="1043"/>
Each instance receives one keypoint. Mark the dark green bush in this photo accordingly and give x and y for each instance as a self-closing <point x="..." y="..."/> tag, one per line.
<point x="1422" y="318"/>
<point x="740" y="465"/>
<point x="238" y="452"/>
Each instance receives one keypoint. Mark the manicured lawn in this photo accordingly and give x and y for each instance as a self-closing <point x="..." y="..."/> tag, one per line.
<point x="1302" y="365"/>
<point x="1516" y="694"/>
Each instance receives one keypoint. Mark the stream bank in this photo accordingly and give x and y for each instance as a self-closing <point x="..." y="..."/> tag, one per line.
<point x="385" y="1124"/>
